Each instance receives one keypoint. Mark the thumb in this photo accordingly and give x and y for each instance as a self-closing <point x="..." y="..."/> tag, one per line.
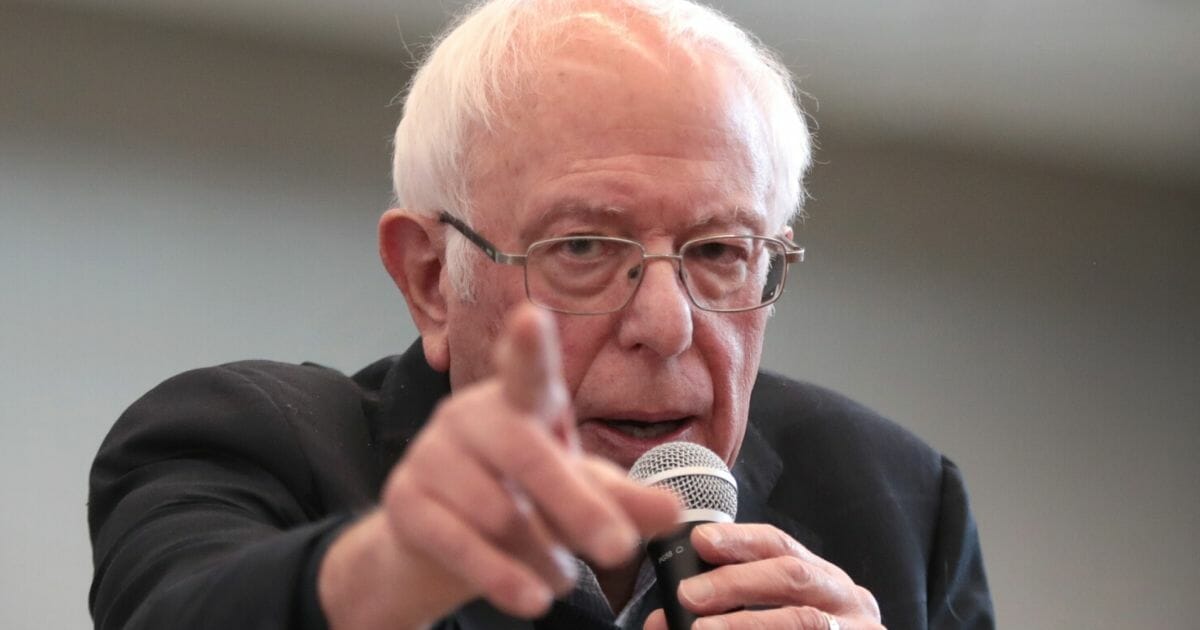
<point x="656" y="621"/>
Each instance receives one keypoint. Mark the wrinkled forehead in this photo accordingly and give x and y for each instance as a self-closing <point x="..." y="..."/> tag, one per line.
<point x="602" y="85"/>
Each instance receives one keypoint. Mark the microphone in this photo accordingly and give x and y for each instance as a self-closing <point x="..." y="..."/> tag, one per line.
<point x="708" y="492"/>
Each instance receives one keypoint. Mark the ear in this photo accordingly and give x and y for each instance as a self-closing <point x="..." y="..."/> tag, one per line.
<point x="413" y="250"/>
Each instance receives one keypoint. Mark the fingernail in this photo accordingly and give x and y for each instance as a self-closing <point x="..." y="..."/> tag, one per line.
<point x="712" y="534"/>
<point x="715" y="623"/>
<point x="696" y="589"/>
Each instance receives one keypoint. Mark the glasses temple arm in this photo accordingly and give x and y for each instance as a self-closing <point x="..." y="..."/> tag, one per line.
<point x="480" y="242"/>
<point x="794" y="253"/>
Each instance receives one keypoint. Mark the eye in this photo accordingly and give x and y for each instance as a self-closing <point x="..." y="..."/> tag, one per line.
<point x="582" y="247"/>
<point x="726" y="251"/>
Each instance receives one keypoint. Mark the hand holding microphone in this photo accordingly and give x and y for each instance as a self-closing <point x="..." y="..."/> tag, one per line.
<point x="713" y="573"/>
<point x="708" y="493"/>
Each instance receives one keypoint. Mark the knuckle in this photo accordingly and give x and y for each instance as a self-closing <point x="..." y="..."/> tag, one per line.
<point x="427" y="453"/>
<point x="399" y="492"/>
<point x="504" y="519"/>
<point x="784" y="543"/>
<point x="417" y="527"/>
<point x="806" y="617"/>
<point x="867" y="600"/>
<point x="794" y="570"/>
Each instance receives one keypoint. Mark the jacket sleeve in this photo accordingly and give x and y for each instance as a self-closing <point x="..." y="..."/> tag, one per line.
<point x="204" y="509"/>
<point x="958" y="590"/>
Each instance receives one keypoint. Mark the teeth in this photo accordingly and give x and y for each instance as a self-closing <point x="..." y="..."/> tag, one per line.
<point x="645" y="430"/>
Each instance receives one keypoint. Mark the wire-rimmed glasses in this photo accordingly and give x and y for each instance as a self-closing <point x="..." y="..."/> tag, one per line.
<point x="593" y="275"/>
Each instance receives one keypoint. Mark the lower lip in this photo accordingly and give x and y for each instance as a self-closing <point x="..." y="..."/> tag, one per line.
<point x="606" y="440"/>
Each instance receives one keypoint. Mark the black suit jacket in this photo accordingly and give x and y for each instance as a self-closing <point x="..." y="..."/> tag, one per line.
<point x="213" y="497"/>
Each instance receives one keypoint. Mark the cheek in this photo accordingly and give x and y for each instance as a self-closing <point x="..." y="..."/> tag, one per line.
<point x="732" y="348"/>
<point x="581" y="340"/>
<point x="736" y="346"/>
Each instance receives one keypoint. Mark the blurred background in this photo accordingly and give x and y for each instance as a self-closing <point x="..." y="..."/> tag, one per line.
<point x="1003" y="242"/>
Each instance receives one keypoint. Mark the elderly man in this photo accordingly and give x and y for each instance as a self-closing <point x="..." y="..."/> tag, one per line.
<point x="592" y="224"/>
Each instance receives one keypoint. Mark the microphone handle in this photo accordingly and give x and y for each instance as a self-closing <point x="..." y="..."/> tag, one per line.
<point x="675" y="560"/>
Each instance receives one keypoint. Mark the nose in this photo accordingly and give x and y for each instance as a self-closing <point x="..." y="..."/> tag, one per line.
<point x="659" y="316"/>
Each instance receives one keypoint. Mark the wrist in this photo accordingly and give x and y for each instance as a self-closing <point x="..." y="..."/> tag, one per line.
<point x="368" y="580"/>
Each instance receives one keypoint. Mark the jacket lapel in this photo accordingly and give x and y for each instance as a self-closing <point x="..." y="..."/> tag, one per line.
<point x="758" y="469"/>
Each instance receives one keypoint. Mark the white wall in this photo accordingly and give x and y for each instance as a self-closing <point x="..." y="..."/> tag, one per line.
<point x="1040" y="327"/>
<point x="166" y="201"/>
<point x="170" y="199"/>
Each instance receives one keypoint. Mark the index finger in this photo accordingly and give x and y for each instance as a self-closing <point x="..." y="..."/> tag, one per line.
<point x="529" y="363"/>
<point x="726" y="543"/>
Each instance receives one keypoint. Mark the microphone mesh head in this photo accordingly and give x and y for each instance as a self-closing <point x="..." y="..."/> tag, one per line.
<point x="696" y="490"/>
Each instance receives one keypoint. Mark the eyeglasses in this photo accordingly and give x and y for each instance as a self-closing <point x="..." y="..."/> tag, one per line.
<point x="593" y="275"/>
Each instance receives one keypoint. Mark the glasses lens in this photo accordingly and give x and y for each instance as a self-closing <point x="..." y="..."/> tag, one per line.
<point x="582" y="275"/>
<point x="734" y="273"/>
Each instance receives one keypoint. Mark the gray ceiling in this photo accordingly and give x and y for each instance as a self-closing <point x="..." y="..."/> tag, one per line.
<point x="1101" y="84"/>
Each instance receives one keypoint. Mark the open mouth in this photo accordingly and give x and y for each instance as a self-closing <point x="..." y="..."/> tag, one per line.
<point x="643" y="430"/>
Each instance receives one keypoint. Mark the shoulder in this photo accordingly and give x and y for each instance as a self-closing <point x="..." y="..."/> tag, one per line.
<point x="860" y="490"/>
<point x="249" y="398"/>
<point x="842" y="447"/>
<point x="220" y="479"/>
<point x="782" y="407"/>
<point x="308" y="427"/>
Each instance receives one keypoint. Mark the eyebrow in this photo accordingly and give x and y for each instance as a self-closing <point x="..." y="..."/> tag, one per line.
<point x="587" y="210"/>
<point x="738" y="216"/>
<point x="572" y="208"/>
<point x="579" y="207"/>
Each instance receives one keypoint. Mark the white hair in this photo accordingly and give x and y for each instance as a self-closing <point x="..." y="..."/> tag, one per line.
<point x="481" y="58"/>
